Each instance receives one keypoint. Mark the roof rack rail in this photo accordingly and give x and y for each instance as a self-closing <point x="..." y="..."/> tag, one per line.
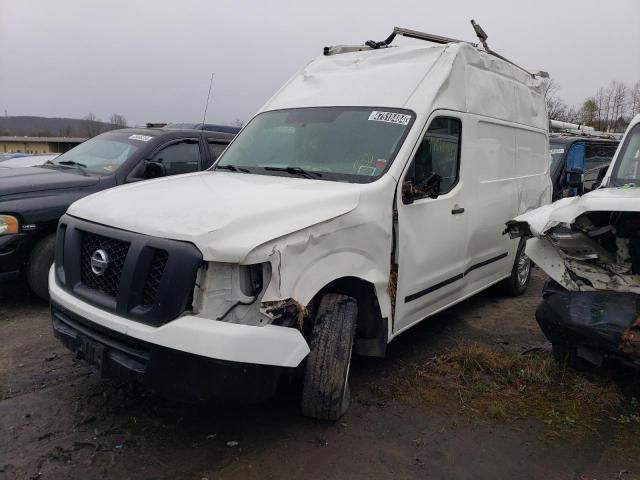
<point x="557" y="127"/>
<point x="428" y="37"/>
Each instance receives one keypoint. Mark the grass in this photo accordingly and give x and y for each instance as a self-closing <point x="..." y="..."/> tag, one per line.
<point x="501" y="386"/>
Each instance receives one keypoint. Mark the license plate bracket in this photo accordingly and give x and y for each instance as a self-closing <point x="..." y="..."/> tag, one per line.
<point x="91" y="353"/>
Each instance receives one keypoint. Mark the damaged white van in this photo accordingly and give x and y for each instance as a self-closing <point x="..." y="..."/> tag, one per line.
<point x="369" y="192"/>
<point x="590" y="247"/>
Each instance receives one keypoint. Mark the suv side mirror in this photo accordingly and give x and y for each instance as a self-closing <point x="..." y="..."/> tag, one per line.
<point x="574" y="179"/>
<point x="154" y="170"/>
<point x="429" y="187"/>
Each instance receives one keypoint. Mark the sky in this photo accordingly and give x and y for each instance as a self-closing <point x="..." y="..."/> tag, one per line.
<point x="152" y="60"/>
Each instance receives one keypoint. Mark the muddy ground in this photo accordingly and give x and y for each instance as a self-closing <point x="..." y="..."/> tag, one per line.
<point x="59" y="421"/>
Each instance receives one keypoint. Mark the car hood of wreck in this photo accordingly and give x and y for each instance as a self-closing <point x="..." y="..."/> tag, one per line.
<point x="587" y="243"/>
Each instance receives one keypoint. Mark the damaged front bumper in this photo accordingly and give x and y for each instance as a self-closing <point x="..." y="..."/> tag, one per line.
<point x="189" y="358"/>
<point x="597" y="324"/>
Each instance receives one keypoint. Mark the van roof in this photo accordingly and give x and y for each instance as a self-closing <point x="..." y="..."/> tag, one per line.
<point x="454" y="76"/>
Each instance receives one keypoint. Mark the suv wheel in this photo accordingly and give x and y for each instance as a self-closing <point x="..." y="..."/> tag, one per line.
<point x="518" y="282"/>
<point x="325" y="392"/>
<point x="40" y="262"/>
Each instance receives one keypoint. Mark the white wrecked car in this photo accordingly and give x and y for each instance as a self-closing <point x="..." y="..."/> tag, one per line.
<point x="368" y="193"/>
<point x="590" y="247"/>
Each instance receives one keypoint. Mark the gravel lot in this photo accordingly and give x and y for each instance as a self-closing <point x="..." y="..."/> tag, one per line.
<point x="59" y="421"/>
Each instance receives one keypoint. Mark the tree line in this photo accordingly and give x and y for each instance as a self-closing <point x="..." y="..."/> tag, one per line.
<point x="609" y="109"/>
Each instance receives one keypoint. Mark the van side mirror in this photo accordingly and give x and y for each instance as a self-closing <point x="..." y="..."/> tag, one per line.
<point x="154" y="170"/>
<point x="429" y="187"/>
<point x="574" y="179"/>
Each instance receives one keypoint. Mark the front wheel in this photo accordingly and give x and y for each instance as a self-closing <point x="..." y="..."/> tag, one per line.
<point x="518" y="281"/>
<point x="325" y="392"/>
<point x="40" y="262"/>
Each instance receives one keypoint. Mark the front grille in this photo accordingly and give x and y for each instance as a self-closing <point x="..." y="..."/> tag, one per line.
<point x="146" y="278"/>
<point x="116" y="250"/>
<point x="154" y="277"/>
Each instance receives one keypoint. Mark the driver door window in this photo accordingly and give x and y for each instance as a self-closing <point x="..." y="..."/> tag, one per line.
<point x="179" y="157"/>
<point x="439" y="152"/>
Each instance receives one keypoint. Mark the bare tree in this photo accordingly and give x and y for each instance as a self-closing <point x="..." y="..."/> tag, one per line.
<point x="93" y="126"/>
<point x="634" y="99"/>
<point x="618" y="104"/>
<point x="238" y="123"/>
<point x="556" y="108"/>
<point x="117" y="121"/>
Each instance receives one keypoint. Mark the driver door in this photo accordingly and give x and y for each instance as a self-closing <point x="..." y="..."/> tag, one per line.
<point x="432" y="232"/>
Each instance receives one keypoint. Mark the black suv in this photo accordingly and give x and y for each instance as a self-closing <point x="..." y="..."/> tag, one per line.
<point x="578" y="164"/>
<point x="32" y="200"/>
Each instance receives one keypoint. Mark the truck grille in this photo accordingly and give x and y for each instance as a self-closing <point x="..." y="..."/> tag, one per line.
<point x="116" y="250"/>
<point x="154" y="276"/>
<point x="144" y="278"/>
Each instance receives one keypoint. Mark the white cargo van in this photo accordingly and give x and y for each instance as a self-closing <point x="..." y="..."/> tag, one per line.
<point x="370" y="192"/>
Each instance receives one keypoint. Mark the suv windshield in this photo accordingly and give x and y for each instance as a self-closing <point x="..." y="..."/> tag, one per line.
<point x="627" y="168"/>
<point x="352" y="144"/>
<point x="102" y="155"/>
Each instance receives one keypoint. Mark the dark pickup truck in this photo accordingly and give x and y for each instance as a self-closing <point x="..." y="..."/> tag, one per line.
<point x="32" y="200"/>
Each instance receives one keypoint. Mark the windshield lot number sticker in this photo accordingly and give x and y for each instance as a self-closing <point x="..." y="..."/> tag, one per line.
<point x="390" y="117"/>
<point x="142" y="138"/>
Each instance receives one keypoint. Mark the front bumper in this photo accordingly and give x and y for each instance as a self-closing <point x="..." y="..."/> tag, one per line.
<point x="14" y="253"/>
<point x="265" y="345"/>
<point x="170" y="373"/>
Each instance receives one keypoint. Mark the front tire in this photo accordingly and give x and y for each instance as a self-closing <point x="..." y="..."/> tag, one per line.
<point x="518" y="281"/>
<point x="325" y="392"/>
<point x="40" y="262"/>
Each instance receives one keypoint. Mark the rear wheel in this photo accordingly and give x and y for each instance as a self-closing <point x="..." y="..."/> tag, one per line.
<point x="518" y="281"/>
<point x="40" y="262"/>
<point x="325" y="392"/>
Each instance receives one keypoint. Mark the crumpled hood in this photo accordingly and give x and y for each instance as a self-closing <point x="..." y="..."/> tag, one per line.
<point x="584" y="251"/>
<point x="36" y="179"/>
<point x="567" y="210"/>
<point x="224" y="214"/>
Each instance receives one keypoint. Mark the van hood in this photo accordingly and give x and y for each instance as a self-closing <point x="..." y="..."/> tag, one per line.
<point x="225" y="214"/>
<point x="36" y="179"/>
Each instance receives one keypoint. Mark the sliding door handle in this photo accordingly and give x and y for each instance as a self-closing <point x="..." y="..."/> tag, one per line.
<point x="457" y="211"/>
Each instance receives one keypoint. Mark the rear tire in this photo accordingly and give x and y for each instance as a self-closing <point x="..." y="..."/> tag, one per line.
<point x="325" y="391"/>
<point x="40" y="262"/>
<point x="518" y="281"/>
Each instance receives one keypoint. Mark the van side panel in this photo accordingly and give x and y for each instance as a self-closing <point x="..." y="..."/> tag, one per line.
<point x="493" y="189"/>
<point x="511" y="177"/>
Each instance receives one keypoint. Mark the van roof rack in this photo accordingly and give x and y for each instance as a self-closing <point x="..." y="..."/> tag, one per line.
<point x="558" y="128"/>
<point x="428" y="37"/>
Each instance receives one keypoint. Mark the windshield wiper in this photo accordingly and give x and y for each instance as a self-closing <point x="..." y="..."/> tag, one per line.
<point x="233" y="168"/>
<point x="295" y="171"/>
<point x="72" y="163"/>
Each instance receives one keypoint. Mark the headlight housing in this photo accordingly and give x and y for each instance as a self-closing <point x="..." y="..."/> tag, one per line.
<point x="8" y="224"/>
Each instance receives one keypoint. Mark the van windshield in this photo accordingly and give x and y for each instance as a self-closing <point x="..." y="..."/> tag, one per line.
<point x="351" y="144"/>
<point x="627" y="168"/>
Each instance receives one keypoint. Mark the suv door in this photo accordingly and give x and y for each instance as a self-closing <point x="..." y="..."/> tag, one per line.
<point x="179" y="156"/>
<point x="432" y="232"/>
